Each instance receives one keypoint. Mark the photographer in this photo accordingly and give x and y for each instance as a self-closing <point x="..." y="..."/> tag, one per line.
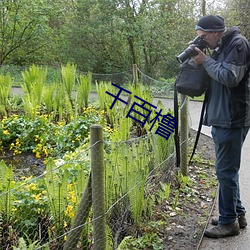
<point x="228" y="112"/>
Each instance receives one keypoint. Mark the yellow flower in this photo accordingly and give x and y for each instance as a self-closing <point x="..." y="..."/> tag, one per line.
<point x="31" y="187"/>
<point x="73" y="199"/>
<point x="14" y="209"/>
<point x="45" y="151"/>
<point x="37" y="196"/>
<point x="38" y="156"/>
<point x="69" y="211"/>
<point x="6" y="132"/>
<point x="16" y="152"/>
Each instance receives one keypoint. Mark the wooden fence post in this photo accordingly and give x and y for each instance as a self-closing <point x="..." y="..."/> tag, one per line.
<point x="184" y="135"/>
<point x="135" y="74"/>
<point x="98" y="195"/>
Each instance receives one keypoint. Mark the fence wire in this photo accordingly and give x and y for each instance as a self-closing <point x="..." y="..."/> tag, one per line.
<point x="40" y="212"/>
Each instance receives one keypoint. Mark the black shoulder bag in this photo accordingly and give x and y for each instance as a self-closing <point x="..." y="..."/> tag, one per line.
<point x="192" y="81"/>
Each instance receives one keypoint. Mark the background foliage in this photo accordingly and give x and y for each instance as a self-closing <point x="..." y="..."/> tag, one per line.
<point x="106" y="36"/>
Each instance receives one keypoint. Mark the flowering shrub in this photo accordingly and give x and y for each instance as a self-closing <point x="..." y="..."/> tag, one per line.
<point x="43" y="137"/>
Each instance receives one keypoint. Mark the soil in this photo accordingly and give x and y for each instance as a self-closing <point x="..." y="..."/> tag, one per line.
<point x="188" y="221"/>
<point x="25" y="164"/>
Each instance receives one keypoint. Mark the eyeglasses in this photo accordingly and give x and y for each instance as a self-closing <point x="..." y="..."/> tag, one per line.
<point x="203" y="36"/>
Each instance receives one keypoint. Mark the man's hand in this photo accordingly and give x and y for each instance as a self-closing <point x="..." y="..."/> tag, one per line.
<point x="200" y="58"/>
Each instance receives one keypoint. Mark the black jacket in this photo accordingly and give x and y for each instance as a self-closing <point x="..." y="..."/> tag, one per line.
<point x="229" y="90"/>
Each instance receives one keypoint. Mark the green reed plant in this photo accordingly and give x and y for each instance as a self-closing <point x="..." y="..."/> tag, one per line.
<point x="48" y="98"/>
<point x="33" y="85"/>
<point x="62" y="106"/>
<point x="122" y="127"/>
<point x="116" y="115"/>
<point x="56" y="184"/>
<point x="126" y="171"/>
<point x="6" y="184"/>
<point x="103" y="97"/>
<point x="58" y="102"/>
<point x="5" y="90"/>
<point x="162" y="148"/>
<point x="68" y="74"/>
<point x="144" y="93"/>
<point x="137" y="180"/>
<point x="83" y="90"/>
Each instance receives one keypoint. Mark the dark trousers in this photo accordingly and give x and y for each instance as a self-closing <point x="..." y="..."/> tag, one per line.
<point x="228" y="145"/>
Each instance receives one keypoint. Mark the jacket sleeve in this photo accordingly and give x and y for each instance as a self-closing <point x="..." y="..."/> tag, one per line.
<point x="234" y="66"/>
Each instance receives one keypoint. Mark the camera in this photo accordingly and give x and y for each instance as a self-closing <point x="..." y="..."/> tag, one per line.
<point x="190" y="51"/>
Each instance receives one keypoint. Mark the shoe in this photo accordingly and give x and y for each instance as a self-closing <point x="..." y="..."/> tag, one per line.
<point x="221" y="231"/>
<point x="241" y="219"/>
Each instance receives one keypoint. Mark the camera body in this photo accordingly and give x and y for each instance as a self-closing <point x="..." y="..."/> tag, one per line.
<point x="190" y="51"/>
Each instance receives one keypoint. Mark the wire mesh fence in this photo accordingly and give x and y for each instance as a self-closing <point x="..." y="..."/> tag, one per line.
<point x="55" y="209"/>
<point x="45" y="211"/>
<point x="160" y="87"/>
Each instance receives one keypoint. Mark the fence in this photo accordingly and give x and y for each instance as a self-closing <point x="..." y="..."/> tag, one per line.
<point x="64" y="208"/>
<point x="53" y="210"/>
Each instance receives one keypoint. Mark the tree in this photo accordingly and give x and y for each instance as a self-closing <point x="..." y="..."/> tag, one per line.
<point x="237" y="12"/>
<point x="102" y="36"/>
<point x="21" y="21"/>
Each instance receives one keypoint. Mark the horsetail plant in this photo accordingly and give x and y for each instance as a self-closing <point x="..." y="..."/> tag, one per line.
<point x="48" y="98"/>
<point x="118" y="111"/>
<point x="126" y="172"/>
<point x="6" y="184"/>
<point x="56" y="184"/>
<point x="5" y="89"/>
<point x="83" y="90"/>
<point x="68" y="74"/>
<point x="33" y="85"/>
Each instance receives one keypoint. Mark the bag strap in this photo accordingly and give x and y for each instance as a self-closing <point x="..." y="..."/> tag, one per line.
<point x="176" y="134"/>
<point x="199" y="127"/>
<point x="201" y="116"/>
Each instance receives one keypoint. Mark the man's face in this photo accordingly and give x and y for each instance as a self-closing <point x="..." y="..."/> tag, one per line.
<point x="211" y="38"/>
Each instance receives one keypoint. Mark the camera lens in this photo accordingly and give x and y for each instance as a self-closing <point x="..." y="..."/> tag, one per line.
<point x="190" y="51"/>
<point x="187" y="53"/>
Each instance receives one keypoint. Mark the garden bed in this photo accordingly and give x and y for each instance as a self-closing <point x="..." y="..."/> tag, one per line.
<point x="178" y="222"/>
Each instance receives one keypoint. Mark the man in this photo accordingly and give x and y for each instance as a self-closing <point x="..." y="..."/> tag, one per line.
<point x="228" y="112"/>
